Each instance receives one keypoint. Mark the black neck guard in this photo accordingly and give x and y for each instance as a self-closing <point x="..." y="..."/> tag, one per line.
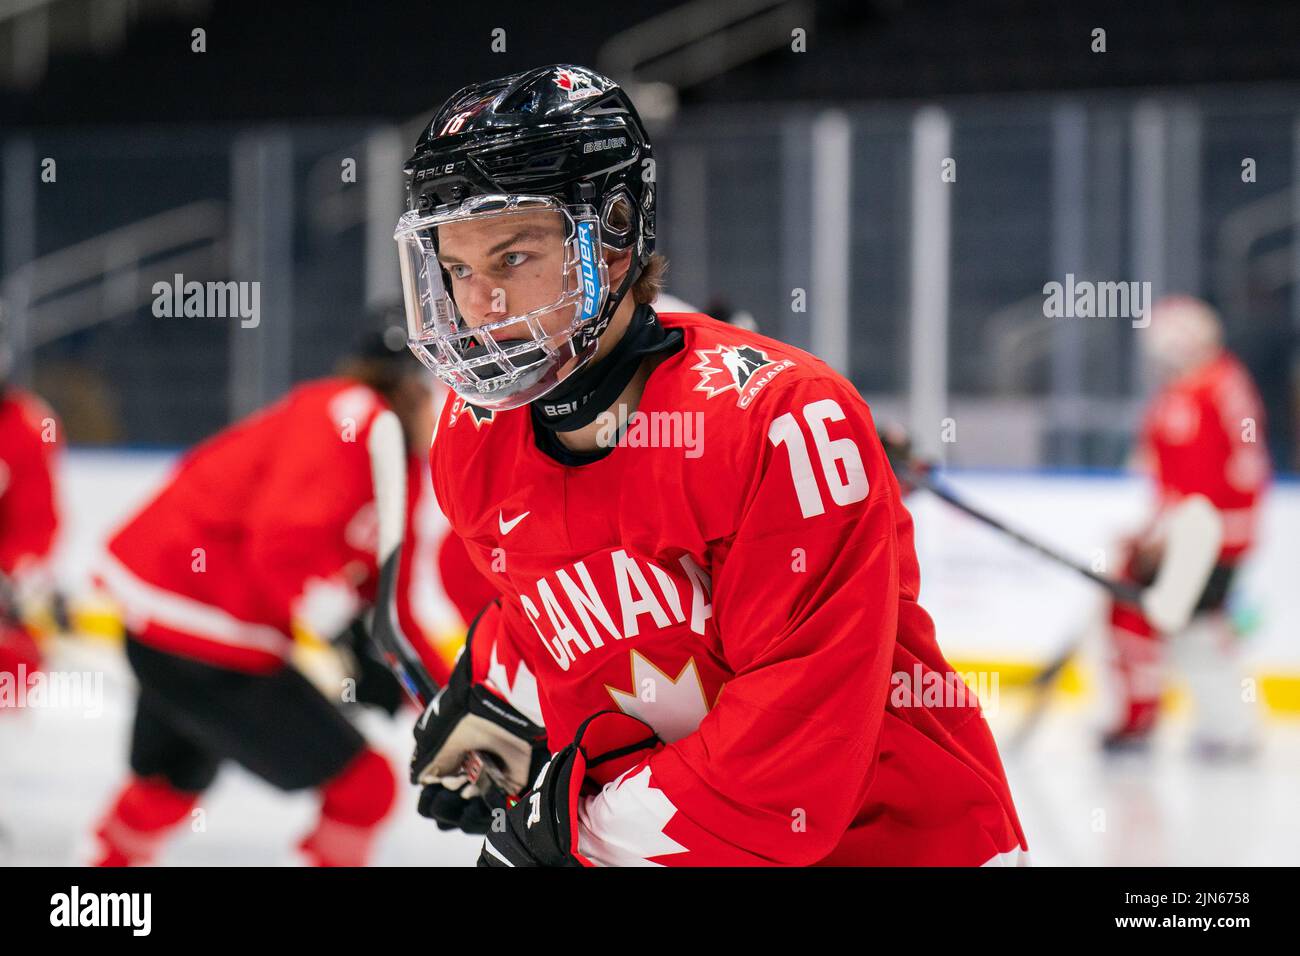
<point x="591" y="390"/>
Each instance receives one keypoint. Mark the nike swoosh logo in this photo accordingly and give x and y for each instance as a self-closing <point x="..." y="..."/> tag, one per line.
<point x="508" y="526"/>
<point x="433" y="709"/>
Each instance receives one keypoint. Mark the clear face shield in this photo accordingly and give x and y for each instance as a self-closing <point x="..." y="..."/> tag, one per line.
<point x="499" y="290"/>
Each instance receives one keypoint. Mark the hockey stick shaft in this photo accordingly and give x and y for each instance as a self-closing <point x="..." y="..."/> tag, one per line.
<point x="388" y="474"/>
<point x="11" y="615"/>
<point x="1040" y="690"/>
<point x="1122" y="590"/>
<point x="1045" y="679"/>
<point x="8" y="606"/>
<point x="1194" y="532"/>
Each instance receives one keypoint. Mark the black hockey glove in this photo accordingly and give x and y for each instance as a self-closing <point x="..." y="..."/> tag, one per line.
<point x="542" y="828"/>
<point x="466" y="717"/>
<point x="376" y="686"/>
<point x="898" y="450"/>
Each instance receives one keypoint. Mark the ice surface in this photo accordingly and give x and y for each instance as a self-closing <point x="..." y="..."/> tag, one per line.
<point x="61" y="768"/>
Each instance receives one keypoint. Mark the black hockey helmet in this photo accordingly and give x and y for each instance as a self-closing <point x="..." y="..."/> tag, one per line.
<point x="379" y="355"/>
<point x="562" y="131"/>
<point x="557" y="137"/>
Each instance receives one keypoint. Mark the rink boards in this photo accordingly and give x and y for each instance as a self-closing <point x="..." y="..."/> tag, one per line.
<point x="998" y="608"/>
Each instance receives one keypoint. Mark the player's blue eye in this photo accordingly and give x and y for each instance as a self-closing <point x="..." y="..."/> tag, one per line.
<point x="458" y="270"/>
<point x="519" y="258"/>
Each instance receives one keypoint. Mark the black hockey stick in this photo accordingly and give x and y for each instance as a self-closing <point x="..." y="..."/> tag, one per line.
<point x="11" y="614"/>
<point x="1040" y="689"/>
<point x="1195" y="531"/>
<point x="388" y="473"/>
<point x="8" y="605"/>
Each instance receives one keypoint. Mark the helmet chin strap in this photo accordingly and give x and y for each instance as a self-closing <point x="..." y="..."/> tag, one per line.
<point x="580" y="398"/>
<point x="594" y="331"/>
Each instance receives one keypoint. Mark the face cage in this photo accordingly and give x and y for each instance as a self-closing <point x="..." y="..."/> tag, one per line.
<point x="470" y="361"/>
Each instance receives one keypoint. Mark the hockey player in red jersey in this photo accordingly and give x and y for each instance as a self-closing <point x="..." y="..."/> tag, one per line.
<point x="29" y="522"/>
<point x="1202" y="433"/>
<point x="706" y="646"/>
<point x="264" y="533"/>
<point x="467" y="589"/>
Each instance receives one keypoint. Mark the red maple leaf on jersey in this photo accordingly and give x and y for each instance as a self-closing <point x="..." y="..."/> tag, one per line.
<point x="728" y="368"/>
<point x="479" y="416"/>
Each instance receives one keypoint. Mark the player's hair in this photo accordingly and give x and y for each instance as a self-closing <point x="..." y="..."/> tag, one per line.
<point x="384" y="376"/>
<point x="379" y="358"/>
<point x="650" y="282"/>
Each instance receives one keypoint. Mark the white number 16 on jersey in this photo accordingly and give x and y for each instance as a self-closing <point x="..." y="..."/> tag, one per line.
<point x="853" y="487"/>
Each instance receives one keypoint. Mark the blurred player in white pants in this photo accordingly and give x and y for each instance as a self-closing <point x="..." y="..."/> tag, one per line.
<point x="1202" y="433"/>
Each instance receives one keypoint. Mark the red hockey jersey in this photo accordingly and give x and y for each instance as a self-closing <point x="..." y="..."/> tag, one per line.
<point x="740" y="574"/>
<point x="29" y="518"/>
<point x="269" y="523"/>
<point x="1203" y="433"/>
<point x="468" y="590"/>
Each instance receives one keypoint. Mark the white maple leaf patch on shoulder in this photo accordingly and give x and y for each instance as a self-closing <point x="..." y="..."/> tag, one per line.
<point x="743" y="369"/>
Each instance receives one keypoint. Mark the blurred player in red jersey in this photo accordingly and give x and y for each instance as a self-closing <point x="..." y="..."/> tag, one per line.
<point x="265" y="532"/>
<point x="29" y="523"/>
<point x="1202" y="433"/>
<point x="705" y="646"/>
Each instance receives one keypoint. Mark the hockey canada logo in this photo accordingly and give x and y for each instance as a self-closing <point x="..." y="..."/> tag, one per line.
<point x="578" y="87"/>
<point x="739" y="368"/>
<point x="479" y="416"/>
